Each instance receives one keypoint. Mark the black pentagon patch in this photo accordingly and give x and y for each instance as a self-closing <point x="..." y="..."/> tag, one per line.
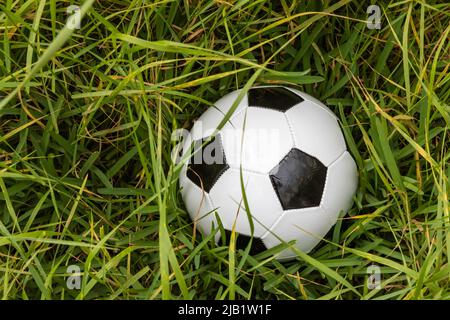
<point x="275" y="98"/>
<point x="242" y="241"/>
<point x="299" y="180"/>
<point x="207" y="164"/>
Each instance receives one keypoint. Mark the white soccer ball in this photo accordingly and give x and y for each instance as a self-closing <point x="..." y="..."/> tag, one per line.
<point x="297" y="173"/>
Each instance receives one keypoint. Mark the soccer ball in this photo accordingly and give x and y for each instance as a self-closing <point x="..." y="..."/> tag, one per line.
<point x="283" y="150"/>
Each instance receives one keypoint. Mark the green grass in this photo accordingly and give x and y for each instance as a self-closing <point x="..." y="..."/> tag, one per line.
<point x="86" y="118"/>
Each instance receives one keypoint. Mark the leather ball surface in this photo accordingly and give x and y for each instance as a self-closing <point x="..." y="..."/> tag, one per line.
<point x="297" y="174"/>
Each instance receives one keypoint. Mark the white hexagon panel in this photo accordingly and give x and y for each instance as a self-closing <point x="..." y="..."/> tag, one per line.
<point x="259" y="140"/>
<point x="304" y="227"/>
<point x="316" y="131"/>
<point x="341" y="184"/>
<point x="225" y="103"/>
<point x="227" y="198"/>
<point x="198" y="204"/>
